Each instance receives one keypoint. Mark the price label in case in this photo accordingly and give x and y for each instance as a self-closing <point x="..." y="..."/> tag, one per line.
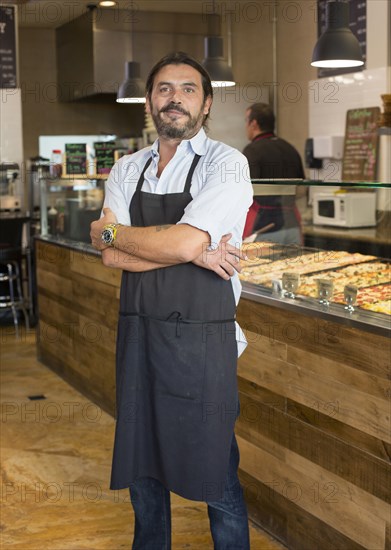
<point x="291" y="279"/>
<point x="325" y="290"/>
<point x="350" y="294"/>
<point x="290" y="283"/>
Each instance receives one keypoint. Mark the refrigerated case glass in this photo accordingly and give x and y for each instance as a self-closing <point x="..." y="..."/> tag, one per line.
<point x="68" y="206"/>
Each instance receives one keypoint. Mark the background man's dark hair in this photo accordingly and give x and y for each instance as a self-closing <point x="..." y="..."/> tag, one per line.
<point x="179" y="58"/>
<point x="263" y="114"/>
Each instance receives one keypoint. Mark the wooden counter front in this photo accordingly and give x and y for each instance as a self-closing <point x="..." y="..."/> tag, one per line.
<point x="78" y="301"/>
<point x="314" y="429"/>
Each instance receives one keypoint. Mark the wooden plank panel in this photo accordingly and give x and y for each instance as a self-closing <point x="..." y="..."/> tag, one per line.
<point x="346" y="345"/>
<point x="57" y="313"/>
<point x="354" y="438"/>
<point x="288" y="522"/>
<point x="266" y="507"/>
<point x="61" y="366"/>
<point x="317" y="418"/>
<point x="329" y="485"/>
<point x="55" y="338"/>
<point x="54" y="284"/>
<point x="367" y="383"/>
<point x="261" y="395"/>
<point x="266" y="345"/>
<point x="102" y="336"/>
<point x="350" y="463"/>
<point x="92" y="267"/>
<point x="101" y="367"/>
<point x="96" y="300"/>
<point x="367" y="413"/>
<point x="341" y="513"/>
<point x="53" y="258"/>
<point x="99" y="362"/>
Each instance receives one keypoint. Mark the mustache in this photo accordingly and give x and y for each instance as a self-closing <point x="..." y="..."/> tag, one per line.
<point x="175" y="107"/>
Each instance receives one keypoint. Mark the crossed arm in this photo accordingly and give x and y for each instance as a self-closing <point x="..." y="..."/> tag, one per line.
<point x="145" y="248"/>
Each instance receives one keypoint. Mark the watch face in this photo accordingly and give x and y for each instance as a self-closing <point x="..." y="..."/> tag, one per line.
<point x="107" y="236"/>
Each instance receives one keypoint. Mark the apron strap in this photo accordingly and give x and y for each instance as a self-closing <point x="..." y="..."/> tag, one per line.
<point x="190" y="174"/>
<point x="141" y="178"/>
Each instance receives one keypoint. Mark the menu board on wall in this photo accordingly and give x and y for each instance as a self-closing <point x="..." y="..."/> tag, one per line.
<point x="75" y="159"/>
<point x="358" y="26"/>
<point x="361" y="143"/>
<point x="104" y="156"/>
<point x="8" y="68"/>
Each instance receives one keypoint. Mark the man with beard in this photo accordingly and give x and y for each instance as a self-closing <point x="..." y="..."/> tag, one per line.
<point x="181" y="205"/>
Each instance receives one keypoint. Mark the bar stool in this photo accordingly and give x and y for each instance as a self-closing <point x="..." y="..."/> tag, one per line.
<point x="11" y="256"/>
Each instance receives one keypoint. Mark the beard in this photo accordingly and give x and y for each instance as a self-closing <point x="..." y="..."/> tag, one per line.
<point x="175" y="129"/>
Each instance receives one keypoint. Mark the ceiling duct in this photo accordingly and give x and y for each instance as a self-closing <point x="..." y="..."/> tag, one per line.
<point x="93" y="48"/>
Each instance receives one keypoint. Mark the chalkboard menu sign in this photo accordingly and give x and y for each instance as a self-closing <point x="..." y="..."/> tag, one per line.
<point x="7" y="47"/>
<point x="75" y="159"/>
<point x="361" y="140"/>
<point x="104" y="156"/>
<point x="358" y="26"/>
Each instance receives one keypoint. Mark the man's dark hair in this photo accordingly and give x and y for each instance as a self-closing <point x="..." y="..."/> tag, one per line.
<point x="263" y="114"/>
<point x="179" y="58"/>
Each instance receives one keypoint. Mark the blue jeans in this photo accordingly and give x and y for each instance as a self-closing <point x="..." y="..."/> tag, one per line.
<point x="227" y="517"/>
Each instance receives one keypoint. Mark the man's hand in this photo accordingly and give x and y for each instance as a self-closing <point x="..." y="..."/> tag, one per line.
<point x="224" y="261"/>
<point x="97" y="227"/>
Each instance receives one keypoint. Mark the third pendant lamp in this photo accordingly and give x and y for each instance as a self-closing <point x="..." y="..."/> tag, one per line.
<point x="337" y="47"/>
<point x="132" y="89"/>
<point x="219" y="71"/>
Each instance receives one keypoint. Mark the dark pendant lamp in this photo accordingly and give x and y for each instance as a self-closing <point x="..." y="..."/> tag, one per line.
<point x="337" y="47"/>
<point x="132" y="89"/>
<point x="219" y="71"/>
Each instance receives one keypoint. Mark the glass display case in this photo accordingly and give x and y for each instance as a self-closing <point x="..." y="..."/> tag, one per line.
<point x="69" y="205"/>
<point x="334" y="264"/>
<point x="338" y="268"/>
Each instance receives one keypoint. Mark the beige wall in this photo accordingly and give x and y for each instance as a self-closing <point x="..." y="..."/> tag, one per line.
<point x="252" y="28"/>
<point x="44" y="115"/>
<point x="252" y="45"/>
<point x="296" y="38"/>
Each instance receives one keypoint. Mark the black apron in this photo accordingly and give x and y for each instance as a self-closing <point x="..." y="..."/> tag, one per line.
<point x="177" y="397"/>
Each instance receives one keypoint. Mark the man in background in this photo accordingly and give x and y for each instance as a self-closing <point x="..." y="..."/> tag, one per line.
<point x="275" y="217"/>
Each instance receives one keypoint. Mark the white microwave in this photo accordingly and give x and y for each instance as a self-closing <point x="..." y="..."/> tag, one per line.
<point x="345" y="209"/>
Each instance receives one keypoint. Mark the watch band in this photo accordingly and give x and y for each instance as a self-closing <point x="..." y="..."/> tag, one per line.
<point x="109" y="233"/>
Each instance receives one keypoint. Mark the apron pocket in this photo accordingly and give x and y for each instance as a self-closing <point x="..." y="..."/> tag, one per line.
<point x="176" y="358"/>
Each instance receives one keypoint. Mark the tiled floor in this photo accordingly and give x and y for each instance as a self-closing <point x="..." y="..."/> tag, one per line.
<point x="56" y="458"/>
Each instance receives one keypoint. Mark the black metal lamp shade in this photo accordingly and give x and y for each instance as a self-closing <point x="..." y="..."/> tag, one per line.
<point x="132" y="89"/>
<point x="219" y="70"/>
<point x="337" y="47"/>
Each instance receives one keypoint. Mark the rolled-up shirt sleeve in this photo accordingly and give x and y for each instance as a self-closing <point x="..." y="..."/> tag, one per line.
<point x="115" y="198"/>
<point x="222" y="204"/>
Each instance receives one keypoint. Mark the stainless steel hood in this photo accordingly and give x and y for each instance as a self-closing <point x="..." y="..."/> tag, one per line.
<point x="93" y="48"/>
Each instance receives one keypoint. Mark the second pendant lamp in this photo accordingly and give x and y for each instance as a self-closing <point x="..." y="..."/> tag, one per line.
<point x="219" y="71"/>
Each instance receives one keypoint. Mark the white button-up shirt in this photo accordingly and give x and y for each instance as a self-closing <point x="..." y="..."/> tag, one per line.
<point x="220" y="187"/>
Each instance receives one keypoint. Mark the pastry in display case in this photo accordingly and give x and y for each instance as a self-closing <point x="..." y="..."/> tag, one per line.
<point x="268" y="263"/>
